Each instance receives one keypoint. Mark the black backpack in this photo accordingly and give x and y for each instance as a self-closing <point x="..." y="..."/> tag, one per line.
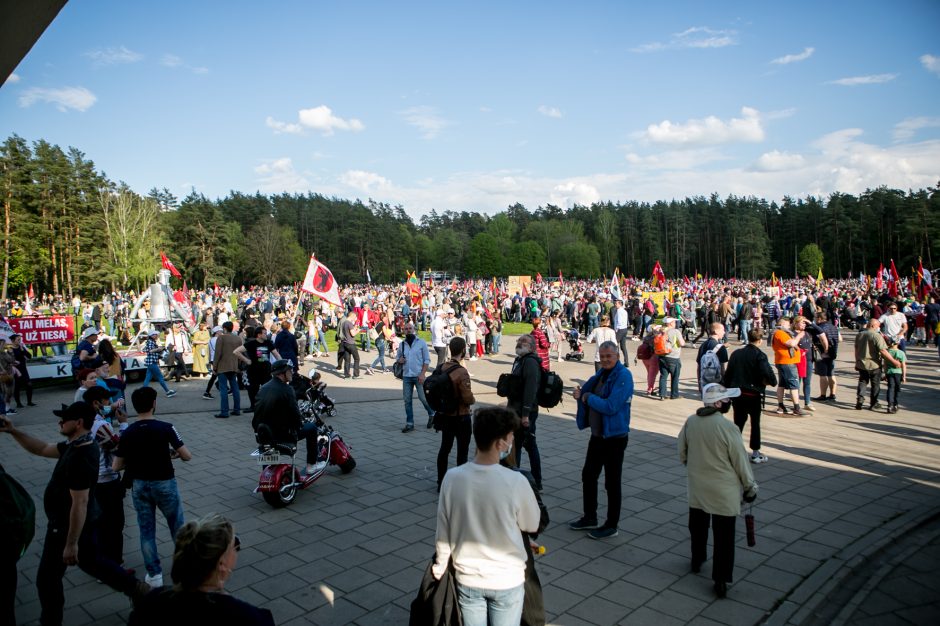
<point x="548" y="394"/>
<point x="439" y="391"/>
<point x="17" y="516"/>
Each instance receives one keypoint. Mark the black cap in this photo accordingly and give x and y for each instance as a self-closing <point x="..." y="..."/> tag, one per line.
<point x="76" y="411"/>
<point x="281" y="365"/>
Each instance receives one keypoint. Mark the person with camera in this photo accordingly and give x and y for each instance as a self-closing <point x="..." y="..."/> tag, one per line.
<point x="276" y="407"/>
<point x="713" y="452"/>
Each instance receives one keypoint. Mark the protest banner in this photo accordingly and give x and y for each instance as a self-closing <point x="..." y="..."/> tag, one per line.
<point x="50" y="329"/>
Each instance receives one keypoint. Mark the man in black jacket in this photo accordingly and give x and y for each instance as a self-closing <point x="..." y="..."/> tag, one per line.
<point x="276" y="406"/>
<point x="749" y="370"/>
<point x="527" y="369"/>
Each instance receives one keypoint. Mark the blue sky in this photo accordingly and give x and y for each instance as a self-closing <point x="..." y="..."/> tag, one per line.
<point x="478" y="105"/>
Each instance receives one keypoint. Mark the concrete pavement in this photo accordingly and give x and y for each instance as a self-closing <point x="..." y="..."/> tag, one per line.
<point x="839" y="487"/>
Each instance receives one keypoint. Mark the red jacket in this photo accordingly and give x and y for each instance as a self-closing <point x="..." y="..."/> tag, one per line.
<point x="541" y="347"/>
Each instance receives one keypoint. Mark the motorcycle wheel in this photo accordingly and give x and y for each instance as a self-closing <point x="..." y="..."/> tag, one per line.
<point x="284" y="495"/>
<point x="348" y="466"/>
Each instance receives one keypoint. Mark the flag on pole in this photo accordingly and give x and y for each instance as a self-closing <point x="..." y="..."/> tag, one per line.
<point x="538" y="277"/>
<point x="368" y="276"/>
<point x="412" y="286"/>
<point x="659" y="278"/>
<point x="319" y="281"/>
<point x="561" y="280"/>
<point x="893" y="281"/>
<point x="925" y="281"/>
<point x="615" y="284"/>
<point x="819" y="278"/>
<point x="493" y="286"/>
<point x="169" y="266"/>
<point x="879" y="277"/>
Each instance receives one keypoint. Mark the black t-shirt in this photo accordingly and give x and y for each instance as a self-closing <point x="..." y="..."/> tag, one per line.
<point x="933" y="312"/>
<point x="710" y="344"/>
<point x="145" y="448"/>
<point x="260" y="354"/>
<point x="76" y="469"/>
<point x="166" y="605"/>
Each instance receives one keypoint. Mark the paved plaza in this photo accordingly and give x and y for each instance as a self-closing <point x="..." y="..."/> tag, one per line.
<point x="844" y="530"/>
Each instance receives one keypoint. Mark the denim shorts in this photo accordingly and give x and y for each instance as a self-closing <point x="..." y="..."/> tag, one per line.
<point x="788" y="377"/>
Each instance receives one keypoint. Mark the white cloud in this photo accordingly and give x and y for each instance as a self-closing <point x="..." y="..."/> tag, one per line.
<point x="675" y="159"/>
<point x="283" y="127"/>
<point x="366" y="182"/>
<point x="794" y="58"/>
<point x="114" y="56"/>
<point x="708" y="131"/>
<point x="427" y="119"/>
<point x="78" y="98"/>
<point x="905" y="129"/>
<point x="321" y="119"/>
<point x="277" y="175"/>
<point x="571" y="193"/>
<point x="173" y="61"/>
<point x="931" y="63"/>
<point x="695" y="37"/>
<point x="776" y="161"/>
<point x="548" y="111"/>
<point x="13" y="78"/>
<point x="871" y="79"/>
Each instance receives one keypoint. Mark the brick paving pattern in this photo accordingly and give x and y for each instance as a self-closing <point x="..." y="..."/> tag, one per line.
<point x="352" y="549"/>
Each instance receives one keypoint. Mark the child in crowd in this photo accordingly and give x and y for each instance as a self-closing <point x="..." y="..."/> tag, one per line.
<point x="896" y="375"/>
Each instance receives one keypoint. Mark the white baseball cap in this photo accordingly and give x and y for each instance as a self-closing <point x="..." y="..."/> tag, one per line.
<point x="713" y="392"/>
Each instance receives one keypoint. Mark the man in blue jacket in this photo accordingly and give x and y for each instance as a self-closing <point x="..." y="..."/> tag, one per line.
<point x="604" y="406"/>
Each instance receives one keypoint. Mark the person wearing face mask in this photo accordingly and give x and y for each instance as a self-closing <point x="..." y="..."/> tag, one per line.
<point x="109" y="492"/>
<point x="415" y="358"/>
<point x="482" y="512"/>
<point x="711" y="448"/>
<point x="604" y="403"/>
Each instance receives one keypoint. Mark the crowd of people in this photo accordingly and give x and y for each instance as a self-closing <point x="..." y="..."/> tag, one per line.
<point x="245" y="337"/>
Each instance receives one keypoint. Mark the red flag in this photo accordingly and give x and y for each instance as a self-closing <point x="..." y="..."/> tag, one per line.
<point x="185" y="291"/>
<point x="538" y="277"/>
<point x="561" y="280"/>
<point x="32" y="295"/>
<point x="893" y="281"/>
<point x="319" y="281"/>
<point x="879" y="284"/>
<point x="525" y="290"/>
<point x="659" y="278"/>
<point x="215" y="289"/>
<point x="169" y="266"/>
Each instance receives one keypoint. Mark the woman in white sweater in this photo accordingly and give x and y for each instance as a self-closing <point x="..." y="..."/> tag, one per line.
<point x="481" y="514"/>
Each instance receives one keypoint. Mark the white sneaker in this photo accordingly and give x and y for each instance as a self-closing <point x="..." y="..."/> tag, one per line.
<point x="473" y="358"/>
<point x="757" y="457"/>
<point x="154" y="581"/>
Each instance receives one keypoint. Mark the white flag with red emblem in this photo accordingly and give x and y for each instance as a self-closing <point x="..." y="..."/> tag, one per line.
<point x="319" y="281"/>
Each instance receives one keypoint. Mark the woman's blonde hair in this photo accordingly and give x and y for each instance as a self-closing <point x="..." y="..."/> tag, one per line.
<point x="199" y="546"/>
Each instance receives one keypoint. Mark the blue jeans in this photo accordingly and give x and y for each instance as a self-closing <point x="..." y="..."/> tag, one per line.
<point x="497" y="337"/>
<point x="149" y="495"/>
<point x="380" y="346"/>
<point x="409" y="383"/>
<point x="744" y="326"/>
<point x="319" y="344"/>
<point x="226" y="379"/>
<point x="490" y="607"/>
<point x="669" y="367"/>
<point x="155" y="373"/>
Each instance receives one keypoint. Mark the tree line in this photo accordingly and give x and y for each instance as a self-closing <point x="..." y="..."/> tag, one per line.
<point x="68" y="228"/>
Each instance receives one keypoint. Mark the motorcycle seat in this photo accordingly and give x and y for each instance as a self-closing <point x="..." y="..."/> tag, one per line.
<point x="265" y="439"/>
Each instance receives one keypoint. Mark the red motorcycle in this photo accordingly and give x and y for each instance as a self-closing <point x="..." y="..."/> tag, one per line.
<point x="280" y="479"/>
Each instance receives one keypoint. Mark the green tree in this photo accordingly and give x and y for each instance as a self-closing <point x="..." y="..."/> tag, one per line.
<point x="484" y="257"/>
<point x="810" y="260"/>
<point x="526" y="258"/>
<point x="579" y="259"/>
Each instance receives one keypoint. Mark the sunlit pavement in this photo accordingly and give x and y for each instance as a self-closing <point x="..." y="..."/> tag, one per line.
<point x="840" y="488"/>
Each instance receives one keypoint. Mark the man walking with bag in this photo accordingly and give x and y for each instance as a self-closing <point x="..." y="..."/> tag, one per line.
<point x="455" y="424"/>
<point x="523" y="399"/>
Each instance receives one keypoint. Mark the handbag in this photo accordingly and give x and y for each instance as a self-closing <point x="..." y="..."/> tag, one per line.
<point x="373" y="335"/>
<point x="398" y="370"/>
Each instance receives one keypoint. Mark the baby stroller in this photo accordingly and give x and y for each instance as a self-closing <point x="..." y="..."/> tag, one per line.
<point x="574" y="342"/>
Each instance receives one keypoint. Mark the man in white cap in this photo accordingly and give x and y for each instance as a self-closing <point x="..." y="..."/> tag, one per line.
<point x="85" y="351"/>
<point x="152" y="361"/>
<point x="712" y="450"/>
